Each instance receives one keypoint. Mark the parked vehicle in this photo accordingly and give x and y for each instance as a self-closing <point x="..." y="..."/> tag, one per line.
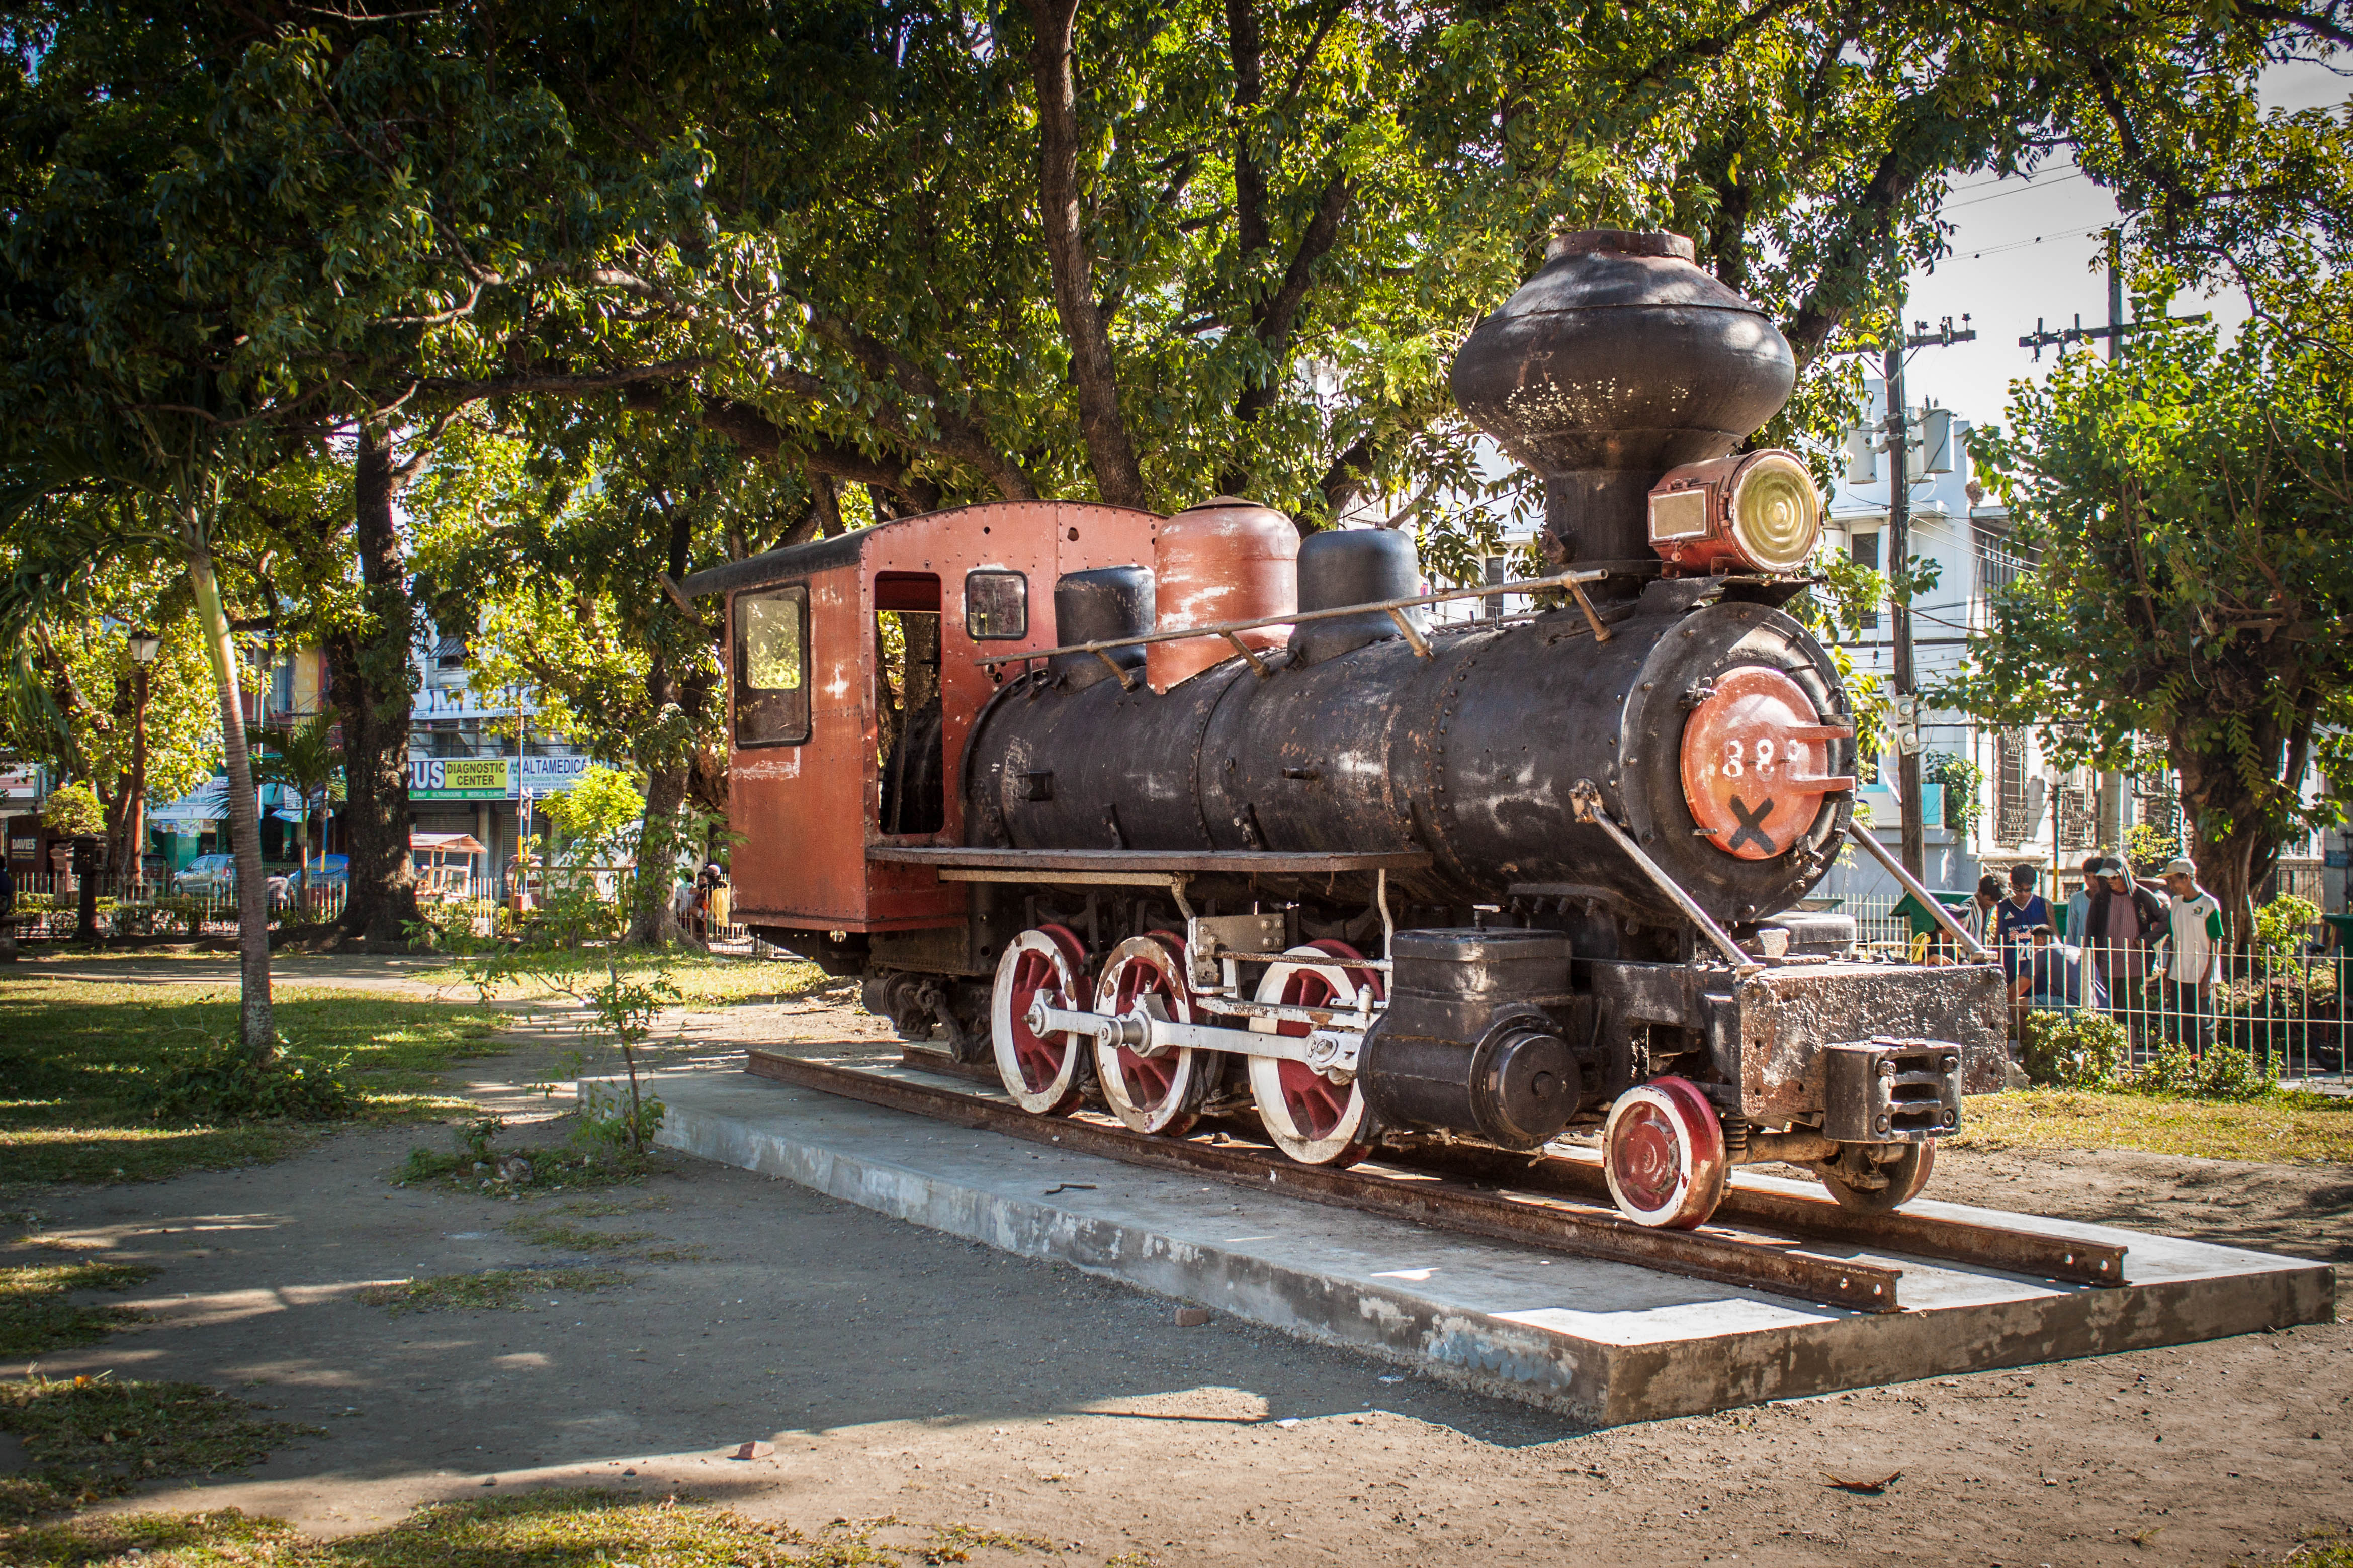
<point x="207" y="876"/>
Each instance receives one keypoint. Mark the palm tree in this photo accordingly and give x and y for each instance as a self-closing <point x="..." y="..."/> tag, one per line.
<point x="306" y="760"/>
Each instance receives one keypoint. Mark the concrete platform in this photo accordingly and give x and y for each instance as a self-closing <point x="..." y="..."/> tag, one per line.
<point x="1605" y="1342"/>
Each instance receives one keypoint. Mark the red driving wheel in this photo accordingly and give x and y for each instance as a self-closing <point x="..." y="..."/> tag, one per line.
<point x="1045" y="1074"/>
<point x="1161" y="1094"/>
<point x="1309" y="1118"/>
<point x="1663" y="1153"/>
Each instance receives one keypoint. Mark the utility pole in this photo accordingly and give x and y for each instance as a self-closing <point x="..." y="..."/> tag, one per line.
<point x="1913" y="850"/>
<point x="2117" y="328"/>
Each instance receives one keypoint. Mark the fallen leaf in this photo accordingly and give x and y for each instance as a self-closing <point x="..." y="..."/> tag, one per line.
<point x="1866" y="1488"/>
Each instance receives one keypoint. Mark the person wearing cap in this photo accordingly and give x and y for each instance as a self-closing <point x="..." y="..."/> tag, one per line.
<point x="2016" y="915"/>
<point x="2193" y="958"/>
<point x="2120" y="930"/>
<point x="2089" y="992"/>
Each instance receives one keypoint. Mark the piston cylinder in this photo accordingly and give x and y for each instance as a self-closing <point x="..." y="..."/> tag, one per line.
<point x="1471" y="1040"/>
<point x="1225" y="560"/>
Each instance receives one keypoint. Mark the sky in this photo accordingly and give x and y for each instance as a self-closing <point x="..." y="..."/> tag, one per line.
<point x="2026" y="248"/>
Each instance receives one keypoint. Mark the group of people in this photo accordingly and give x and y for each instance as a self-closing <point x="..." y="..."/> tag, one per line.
<point x="701" y="905"/>
<point x="2124" y="935"/>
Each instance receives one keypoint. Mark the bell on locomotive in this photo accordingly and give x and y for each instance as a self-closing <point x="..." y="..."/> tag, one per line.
<point x="1380" y="886"/>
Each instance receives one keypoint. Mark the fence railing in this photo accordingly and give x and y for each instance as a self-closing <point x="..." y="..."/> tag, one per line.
<point x="49" y="905"/>
<point x="2287" y="1009"/>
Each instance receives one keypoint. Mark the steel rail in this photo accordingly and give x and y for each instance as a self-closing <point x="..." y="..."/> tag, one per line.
<point x="2064" y="1259"/>
<point x="1558" y="1221"/>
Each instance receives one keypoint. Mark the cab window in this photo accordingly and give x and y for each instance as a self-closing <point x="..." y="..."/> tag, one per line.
<point x="995" y="605"/>
<point x="771" y="683"/>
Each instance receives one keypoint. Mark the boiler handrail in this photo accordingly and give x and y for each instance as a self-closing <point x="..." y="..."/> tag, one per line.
<point x="1573" y="581"/>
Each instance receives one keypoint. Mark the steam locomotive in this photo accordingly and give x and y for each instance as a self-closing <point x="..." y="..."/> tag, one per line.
<point x="1236" y="829"/>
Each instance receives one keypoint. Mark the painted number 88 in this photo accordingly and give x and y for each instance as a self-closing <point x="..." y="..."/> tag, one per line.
<point x="1761" y="759"/>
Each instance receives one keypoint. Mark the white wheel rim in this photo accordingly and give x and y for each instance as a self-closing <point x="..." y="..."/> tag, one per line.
<point x="1147" y="1114"/>
<point x="1643" y="1098"/>
<point x="1003" y="1020"/>
<point x="1266" y="1072"/>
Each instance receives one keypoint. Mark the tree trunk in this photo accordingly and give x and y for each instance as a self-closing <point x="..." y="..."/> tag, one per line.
<point x="652" y="922"/>
<point x="255" y="1032"/>
<point x="368" y="667"/>
<point x="1095" y="371"/>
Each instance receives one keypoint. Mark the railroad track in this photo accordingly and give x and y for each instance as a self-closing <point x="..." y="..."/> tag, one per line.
<point x="1756" y="1241"/>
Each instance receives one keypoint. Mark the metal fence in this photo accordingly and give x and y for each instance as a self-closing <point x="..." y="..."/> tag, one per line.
<point x="2286" y="1009"/>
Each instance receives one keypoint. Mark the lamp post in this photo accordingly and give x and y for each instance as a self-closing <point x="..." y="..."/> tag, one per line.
<point x="144" y="647"/>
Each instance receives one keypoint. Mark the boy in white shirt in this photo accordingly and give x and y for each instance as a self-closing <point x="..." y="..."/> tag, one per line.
<point x="2194" y="959"/>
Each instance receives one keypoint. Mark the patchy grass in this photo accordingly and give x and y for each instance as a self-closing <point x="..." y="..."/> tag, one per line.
<point x="513" y="1290"/>
<point x="555" y="1528"/>
<point x="703" y="980"/>
<point x="542" y="1232"/>
<point x="2278" y="1129"/>
<point x="552" y="1170"/>
<point x="78" y="1059"/>
<point x="37" y="1317"/>
<point x="86" y="1438"/>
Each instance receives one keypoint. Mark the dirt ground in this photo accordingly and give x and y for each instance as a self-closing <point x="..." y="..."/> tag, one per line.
<point x="883" y="1369"/>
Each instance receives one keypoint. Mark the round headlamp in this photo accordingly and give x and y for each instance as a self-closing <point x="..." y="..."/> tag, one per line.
<point x="1758" y="511"/>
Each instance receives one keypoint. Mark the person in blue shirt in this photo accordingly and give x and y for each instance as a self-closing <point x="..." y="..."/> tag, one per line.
<point x="2015" y="917"/>
<point x="2041" y="983"/>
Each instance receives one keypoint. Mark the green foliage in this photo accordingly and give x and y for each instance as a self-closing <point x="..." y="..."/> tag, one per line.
<point x="1964" y="782"/>
<point x="2284" y="925"/>
<point x="599" y="815"/>
<point x="2073" y="1050"/>
<point x="491" y="1290"/>
<point x="2187" y="509"/>
<point x="543" y="1527"/>
<point x="2222" y="1073"/>
<point x="74" y="808"/>
<point x="2149" y="847"/>
<point x="222" y="1083"/>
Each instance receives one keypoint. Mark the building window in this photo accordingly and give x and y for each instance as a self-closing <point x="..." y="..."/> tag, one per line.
<point x="2011" y="826"/>
<point x="1862" y="549"/>
<point x="995" y="605"/>
<point x="1998" y="561"/>
<point x="771" y="693"/>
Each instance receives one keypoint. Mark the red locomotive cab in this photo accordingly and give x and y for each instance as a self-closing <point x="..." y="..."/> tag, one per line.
<point x="853" y="684"/>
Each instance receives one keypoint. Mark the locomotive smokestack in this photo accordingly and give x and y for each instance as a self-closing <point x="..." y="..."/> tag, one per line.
<point x="1620" y="360"/>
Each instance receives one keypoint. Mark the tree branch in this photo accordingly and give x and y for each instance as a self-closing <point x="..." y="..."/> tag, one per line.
<point x="1119" y="478"/>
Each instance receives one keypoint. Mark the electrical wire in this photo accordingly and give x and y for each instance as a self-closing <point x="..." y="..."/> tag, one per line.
<point x="2013" y="191"/>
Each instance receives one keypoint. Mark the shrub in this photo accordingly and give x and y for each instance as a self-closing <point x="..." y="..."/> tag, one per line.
<point x="73" y="809"/>
<point x="2073" y="1050"/>
<point x="224" y="1083"/>
<point x="2284" y="925"/>
<point x="2225" y="1072"/>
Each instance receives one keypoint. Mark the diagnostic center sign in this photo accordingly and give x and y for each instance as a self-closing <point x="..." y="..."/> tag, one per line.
<point x="491" y="778"/>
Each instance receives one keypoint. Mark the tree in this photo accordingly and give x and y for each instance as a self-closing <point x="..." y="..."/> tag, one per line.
<point x="559" y="538"/>
<point x="79" y="700"/>
<point x="2191" y="510"/>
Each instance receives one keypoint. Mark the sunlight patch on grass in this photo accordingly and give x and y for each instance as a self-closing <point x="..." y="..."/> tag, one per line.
<point x="37" y="1317"/>
<point x="2280" y="1129"/>
<point x="89" y="1437"/>
<point x="80" y="1059"/>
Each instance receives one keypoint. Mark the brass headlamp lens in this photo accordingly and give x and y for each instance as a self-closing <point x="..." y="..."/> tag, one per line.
<point x="1776" y="512"/>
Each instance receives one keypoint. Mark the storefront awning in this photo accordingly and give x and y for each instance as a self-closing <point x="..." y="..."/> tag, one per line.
<point x="444" y="843"/>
